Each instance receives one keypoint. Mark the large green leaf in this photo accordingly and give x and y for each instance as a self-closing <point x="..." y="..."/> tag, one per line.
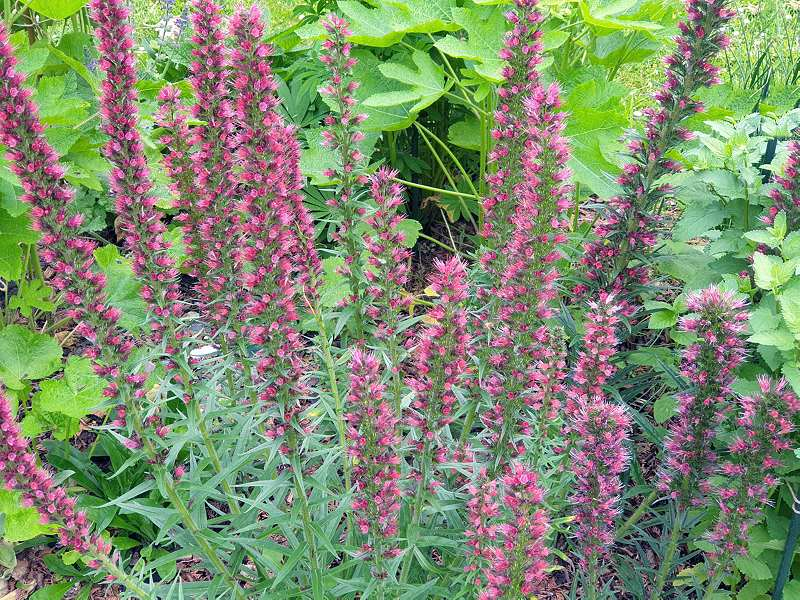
<point x="610" y="15"/>
<point x="122" y="288"/>
<point x="427" y="16"/>
<point x="484" y="28"/>
<point x="465" y="133"/>
<point x="789" y="301"/>
<point x="595" y="143"/>
<point x="21" y="524"/>
<point x="425" y="81"/>
<point x="316" y="159"/>
<point x="697" y="219"/>
<point x="771" y="272"/>
<point x="379" y="118"/>
<point x="57" y="9"/>
<point x="75" y="394"/>
<point x="26" y="355"/>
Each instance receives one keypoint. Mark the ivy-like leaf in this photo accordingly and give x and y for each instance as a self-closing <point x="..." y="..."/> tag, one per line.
<point x="30" y="295"/>
<point x="484" y="27"/>
<point x="21" y="524"/>
<point x="75" y="394"/>
<point x="26" y="355"/>
<point x="789" y="301"/>
<point x="122" y="288"/>
<point x="425" y="79"/>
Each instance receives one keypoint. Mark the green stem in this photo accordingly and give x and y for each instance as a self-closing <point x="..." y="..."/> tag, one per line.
<point x="425" y="236"/>
<point x="419" y="497"/>
<point x="120" y="576"/>
<point x="308" y="530"/>
<point x="209" y="552"/>
<point x="593" y="583"/>
<point x="713" y="585"/>
<point x="666" y="563"/>
<point x="637" y="514"/>
<point x="428" y="188"/>
<point x="215" y="460"/>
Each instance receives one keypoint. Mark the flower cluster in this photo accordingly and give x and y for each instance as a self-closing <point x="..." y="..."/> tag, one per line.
<point x="525" y="220"/>
<point x="141" y="224"/>
<point x="372" y="433"/>
<point x="343" y="136"/>
<point x="268" y="183"/>
<point x="626" y="229"/>
<point x="786" y="196"/>
<point x="387" y="257"/>
<point x="765" y="424"/>
<point x="212" y="225"/>
<point x="523" y="53"/>
<point x="69" y="256"/>
<point x="440" y="355"/>
<point x="593" y="367"/>
<point x="718" y="319"/>
<point x="599" y="457"/>
<point x="507" y="544"/>
<point x="20" y="472"/>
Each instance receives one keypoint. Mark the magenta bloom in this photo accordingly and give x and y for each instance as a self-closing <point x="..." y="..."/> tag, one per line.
<point x="342" y="135"/>
<point x="524" y="225"/>
<point x="20" y="472"/>
<point x="626" y="228"/>
<point x="523" y="53"/>
<point x="68" y="256"/>
<point x="507" y="541"/>
<point x="212" y="224"/>
<point x="372" y="432"/>
<point x="765" y="425"/>
<point x="719" y="321"/>
<point x="598" y="459"/>
<point x="787" y="195"/>
<point x="387" y="257"/>
<point x="141" y="224"/>
<point x="440" y="356"/>
<point x="594" y="367"/>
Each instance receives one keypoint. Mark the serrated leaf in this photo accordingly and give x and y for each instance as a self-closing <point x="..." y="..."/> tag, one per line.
<point x="781" y="338"/>
<point x="21" y="524"/>
<point x="789" y="302"/>
<point x="664" y="408"/>
<point x="753" y="568"/>
<point x="122" y="288"/>
<point x="410" y="230"/>
<point x="771" y="272"/>
<point x="26" y="355"/>
<point x="425" y="79"/>
<point x="698" y="219"/>
<point x="75" y="394"/>
<point x="761" y="236"/>
<point x="483" y="41"/>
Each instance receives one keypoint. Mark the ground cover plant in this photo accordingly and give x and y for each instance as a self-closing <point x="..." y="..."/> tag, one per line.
<point x="243" y="355"/>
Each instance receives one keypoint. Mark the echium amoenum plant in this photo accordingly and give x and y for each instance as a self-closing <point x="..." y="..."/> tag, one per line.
<point x="451" y="443"/>
<point x="626" y="230"/>
<point x="524" y="225"/>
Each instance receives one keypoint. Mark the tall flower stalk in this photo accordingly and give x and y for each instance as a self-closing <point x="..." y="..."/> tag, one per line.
<point x="342" y="135"/>
<point x="440" y="365"/>
<point x="387" y="272"/>
<point x="141" y="224"/>
<point x="719" y="320"/>
<point x="373" y="439"/>
<point x="525" y="220"/>
<point x="626" y="229"/>
<point x="213" y="222"/>
<point x="765" y="422"/>
<point x="507" y="540"/>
